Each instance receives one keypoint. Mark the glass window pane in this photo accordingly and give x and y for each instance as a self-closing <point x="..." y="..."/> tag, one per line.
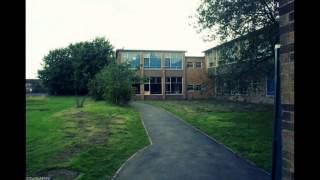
<point x="146" y="62"/>
<point x="167" y="62"/>
<point x="190" y="65"/>
<point x="176" y="63"/>
<point x="179" y="79"/>
<point x="155" y="61"/>
<point x="190" y="87"/>
<point x="146" y="87"/>
<point x="168" y="88"/>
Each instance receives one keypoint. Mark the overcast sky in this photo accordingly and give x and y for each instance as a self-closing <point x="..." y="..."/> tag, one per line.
<point x="130" y="24"/>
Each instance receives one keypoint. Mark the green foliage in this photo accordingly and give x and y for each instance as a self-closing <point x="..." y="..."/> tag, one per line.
<point x="253" y="28"/>
<point x="68" y="70"/>
<point x="57" y="72"/>
<point x="113" y="83"/>
<point x="234" y="18"/>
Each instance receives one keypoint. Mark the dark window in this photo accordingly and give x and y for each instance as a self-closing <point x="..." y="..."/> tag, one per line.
<point x="291" y="16"/>
<point x="136" y="88"/>
<point x="211" y="64"/>
<point x="190" y="87"/>
<point x="189" y="65"/>
<point x="147" y="87"/>
<point x="154" y="85"/>
<point x="270" y="87"/>
<point x="198" y="87"/>
<point x="198" y="64"/>
<point x="174" y="85"/>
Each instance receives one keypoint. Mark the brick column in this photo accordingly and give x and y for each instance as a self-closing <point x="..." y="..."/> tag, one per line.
<point x="184" y="77"/>
<point x="286" y="12"/>
<point x="163" y="77"/>
<point x="141" y="75"/>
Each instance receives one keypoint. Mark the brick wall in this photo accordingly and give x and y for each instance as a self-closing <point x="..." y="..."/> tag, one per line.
<point x="286" y="12"/>
<point x="197" y="76"/>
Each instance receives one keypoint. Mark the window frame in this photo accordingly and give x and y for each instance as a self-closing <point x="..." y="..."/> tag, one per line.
<point x="148" y="56"/>
<point x="191" y="67"/>
<point x="170" y="85"/>
<point x="148" y="83"/>
<point x="196" y="65"/>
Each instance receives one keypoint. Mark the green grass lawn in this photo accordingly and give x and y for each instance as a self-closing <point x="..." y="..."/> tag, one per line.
<point x="93" y="141"/>
<point x="245" y="128"/>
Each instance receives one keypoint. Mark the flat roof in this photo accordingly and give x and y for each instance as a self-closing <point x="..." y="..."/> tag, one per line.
<point x="146" y="50"/>
<point x="194" y="56"/>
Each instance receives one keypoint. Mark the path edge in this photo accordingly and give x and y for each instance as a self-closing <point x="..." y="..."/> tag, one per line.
<point x="216" y="141"/>
<point x="133" y="155"/>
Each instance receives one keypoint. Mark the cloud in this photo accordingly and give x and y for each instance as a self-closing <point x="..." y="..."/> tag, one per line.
<point x="138" y="24"/>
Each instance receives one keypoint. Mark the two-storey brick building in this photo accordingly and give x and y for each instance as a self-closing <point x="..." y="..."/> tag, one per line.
<point x="171" y="74"/>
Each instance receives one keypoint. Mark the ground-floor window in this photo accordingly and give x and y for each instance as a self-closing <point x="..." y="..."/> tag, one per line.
<point x="153" y="85"/>
<point x="173" y="85"/>
<point x="136" y="88"/>
<point x="270" y="87"/>
<point x="194" y="87"/>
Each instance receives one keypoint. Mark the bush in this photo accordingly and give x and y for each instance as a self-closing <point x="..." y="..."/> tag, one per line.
<point x="113" y="83"/>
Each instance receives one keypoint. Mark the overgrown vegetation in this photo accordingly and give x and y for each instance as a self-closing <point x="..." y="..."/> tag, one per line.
<point x="253" y="28"/>
<point x="93" y="141"/>
<point x="67" y="70"/>
<point x="245" y="128"/>
<point x="114" y="84"/>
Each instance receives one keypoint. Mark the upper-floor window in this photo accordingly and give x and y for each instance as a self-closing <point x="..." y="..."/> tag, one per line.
<point x="133" y="58"/>
<point x="198" y="64"/>
<point x="152" y="60"/>
<point x="212" y="58"/>
<point x="189" y="65"/>
<point x="173" y="61"/>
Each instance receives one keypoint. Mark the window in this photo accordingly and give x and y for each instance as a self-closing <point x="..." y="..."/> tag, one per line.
<point x="133" y="58"/>
<point x="270" y="87"/>
<point x="198" y="64"/>
<point x="154" y="85"/>
<point x="136" y="88"/>
<point x="152" y="60"/>
<point x="189" y="65"/>
<point x="174" y="85"/>
<point x="190" y="87"/>
<point x="197" y="87"/>
<point x="167" y="62"/>
<point x="173" y="61"/>
<point x="212" y="58"/>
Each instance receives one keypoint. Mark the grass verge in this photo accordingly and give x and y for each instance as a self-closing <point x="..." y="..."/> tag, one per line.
<point x="92" y="141"/>
<point x="245" y="128"/>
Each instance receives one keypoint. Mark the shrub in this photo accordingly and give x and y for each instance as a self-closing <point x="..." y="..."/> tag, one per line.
<point x="113" y="83"/>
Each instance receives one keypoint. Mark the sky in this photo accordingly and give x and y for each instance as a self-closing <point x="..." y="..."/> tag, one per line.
<point x="129" y="24"/>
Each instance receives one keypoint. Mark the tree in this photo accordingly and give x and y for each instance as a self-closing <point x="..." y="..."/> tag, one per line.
<point x="229" y="19"/>
<point x="114" y="84"/>
<point x="67" y="71"/>
<point x="57" y="72"/>
<point x="254" y="25"/>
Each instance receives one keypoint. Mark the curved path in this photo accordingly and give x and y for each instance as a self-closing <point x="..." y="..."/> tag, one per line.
<point x="179" y="151"/>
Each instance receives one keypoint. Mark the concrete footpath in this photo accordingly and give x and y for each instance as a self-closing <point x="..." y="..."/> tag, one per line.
<point x="178" y="151"/>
